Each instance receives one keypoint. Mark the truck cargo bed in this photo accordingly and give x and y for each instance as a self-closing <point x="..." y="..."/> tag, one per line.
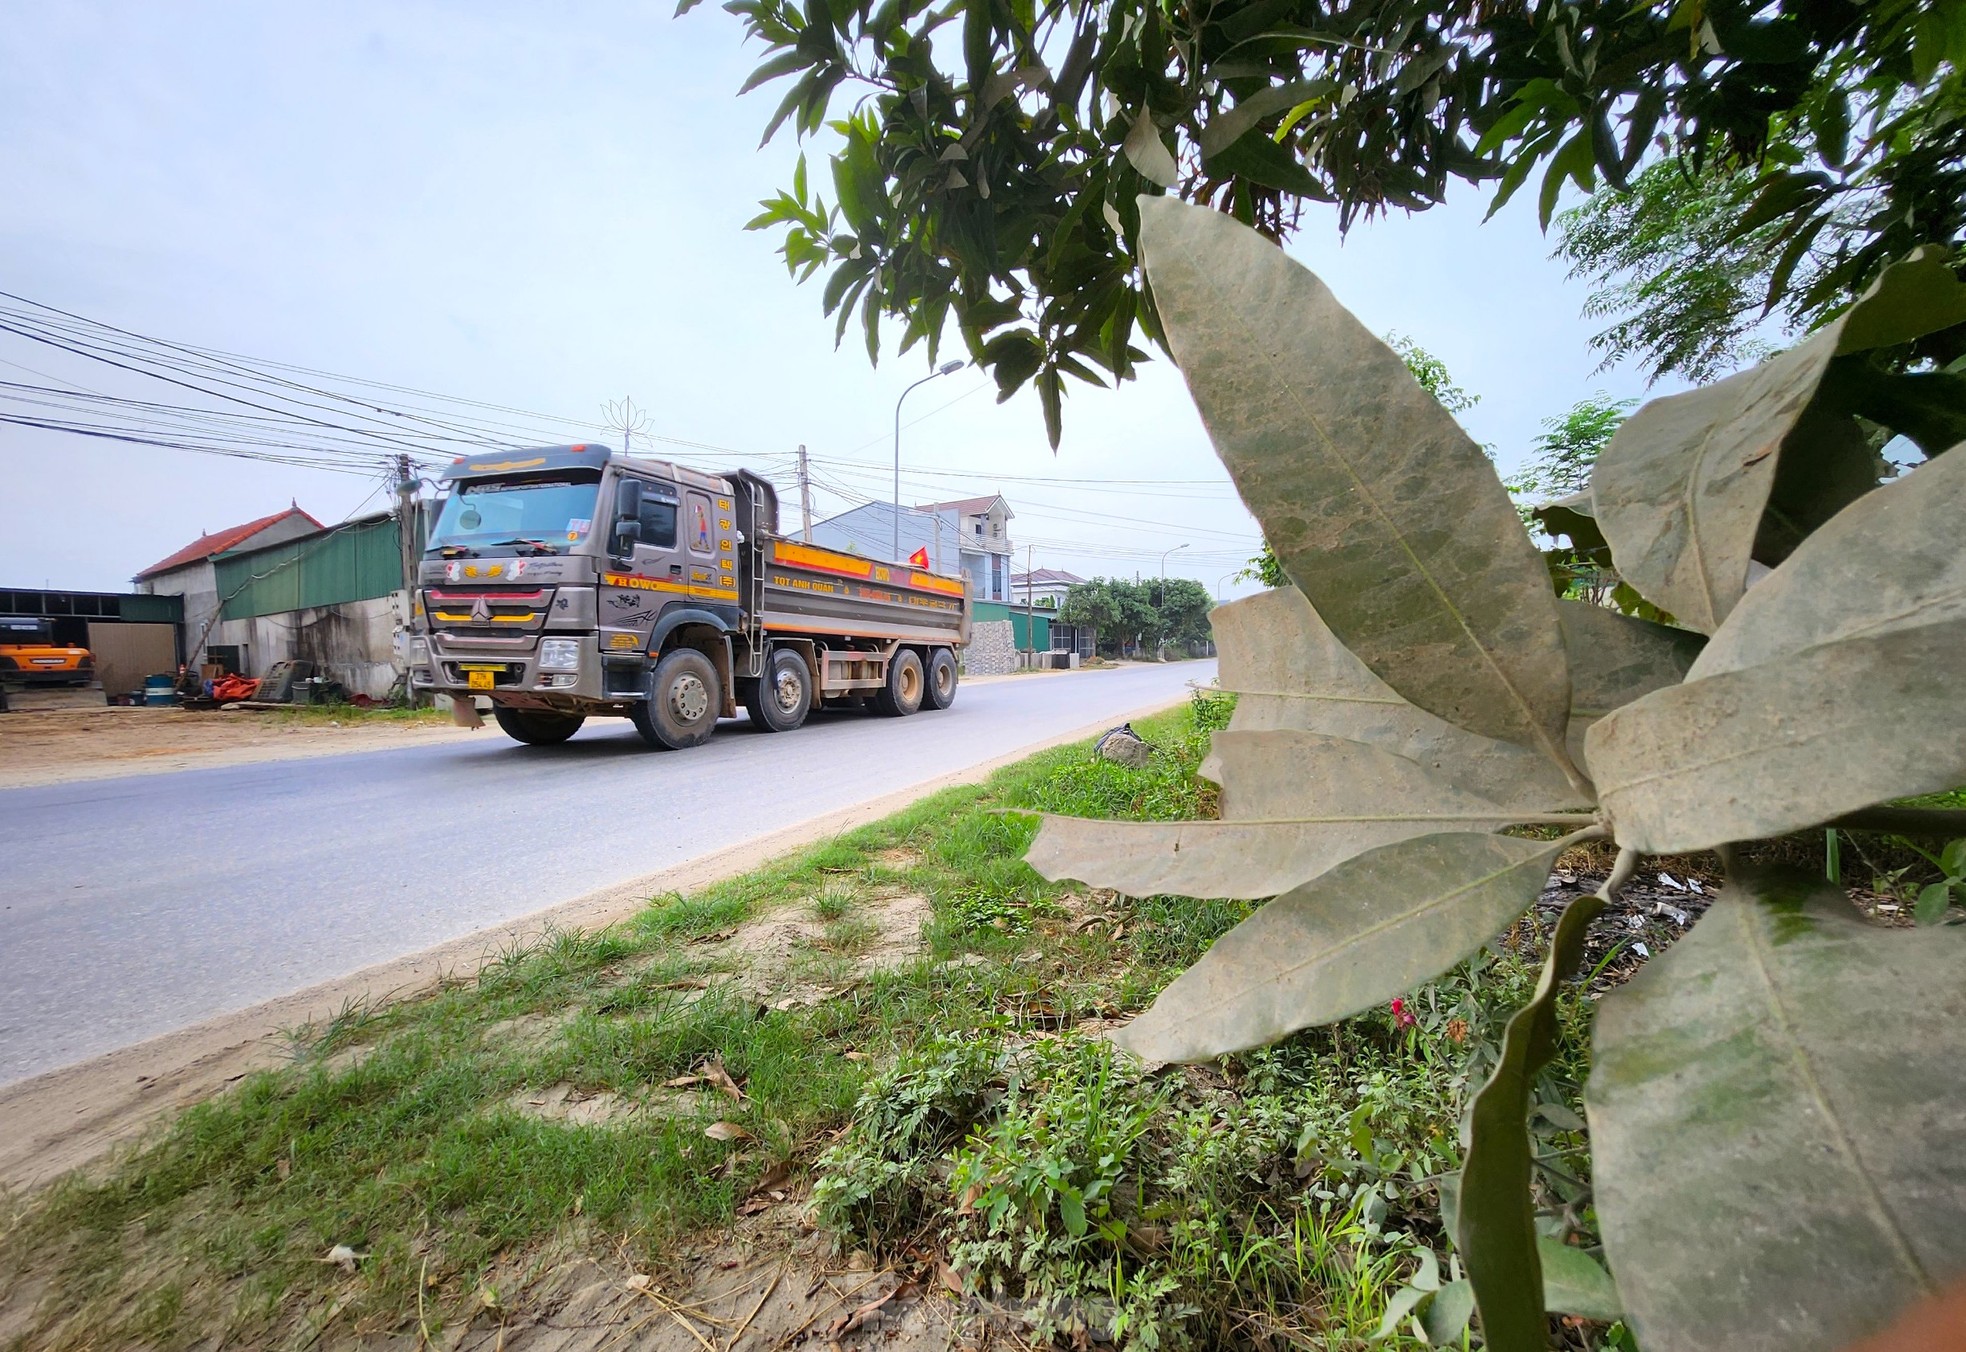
<point x="812" y="590"/>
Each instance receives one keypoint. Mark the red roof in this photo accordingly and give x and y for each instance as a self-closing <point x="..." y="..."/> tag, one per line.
<point x="219" y="541"/>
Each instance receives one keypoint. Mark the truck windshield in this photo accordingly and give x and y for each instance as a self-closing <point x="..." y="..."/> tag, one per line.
<point x="557" y="512"/>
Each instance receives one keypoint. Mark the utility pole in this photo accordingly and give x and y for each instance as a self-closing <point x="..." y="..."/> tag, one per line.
<point x="406" y="522"/>
<point x="1030" y="610"/>
<point x="406" y="530"/>
<point x="805" y="494"/>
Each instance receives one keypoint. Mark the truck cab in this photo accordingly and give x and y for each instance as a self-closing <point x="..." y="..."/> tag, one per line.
<point x="568" y="582"/>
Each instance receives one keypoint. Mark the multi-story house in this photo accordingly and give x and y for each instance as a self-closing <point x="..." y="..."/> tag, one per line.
<point x="971" y="535"/>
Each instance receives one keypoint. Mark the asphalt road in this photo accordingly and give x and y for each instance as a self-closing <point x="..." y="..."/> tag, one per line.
<point x="131" y="907"/>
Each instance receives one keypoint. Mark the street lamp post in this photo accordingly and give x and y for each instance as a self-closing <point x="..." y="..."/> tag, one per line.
<point x="1220" y="580"/>
<point x="1160" y="648"/>
<point x="948" y="368"/>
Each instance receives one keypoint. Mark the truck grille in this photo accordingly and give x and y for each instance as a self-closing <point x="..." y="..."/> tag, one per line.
<point x="492" y="608"/>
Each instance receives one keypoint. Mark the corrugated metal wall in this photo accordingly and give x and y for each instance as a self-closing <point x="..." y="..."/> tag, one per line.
<point x="357" y="562"/>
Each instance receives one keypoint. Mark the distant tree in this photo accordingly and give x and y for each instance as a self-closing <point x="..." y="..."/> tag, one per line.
<point x="1432" y="374"/>
<point x="1184" y="606"/>
<point x="1561" y="462"/>
<point x="1090" y="606"/>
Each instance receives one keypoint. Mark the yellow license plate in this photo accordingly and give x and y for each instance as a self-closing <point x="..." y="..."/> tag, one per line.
<point x="479" y="680"/>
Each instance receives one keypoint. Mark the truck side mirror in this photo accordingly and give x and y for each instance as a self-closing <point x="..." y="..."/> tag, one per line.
<point x="627" y="530"/>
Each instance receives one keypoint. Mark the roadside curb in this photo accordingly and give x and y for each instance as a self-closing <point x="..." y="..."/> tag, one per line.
<point x="65" y="1118"/>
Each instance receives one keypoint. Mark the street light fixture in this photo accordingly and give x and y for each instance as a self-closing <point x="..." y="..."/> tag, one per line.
<point x="948" y="368"/>
<point x="1163" y="565"/>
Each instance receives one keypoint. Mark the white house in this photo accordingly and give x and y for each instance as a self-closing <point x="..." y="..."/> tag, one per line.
<point x="1043" y="589"/>
<point x="971" y="535"/>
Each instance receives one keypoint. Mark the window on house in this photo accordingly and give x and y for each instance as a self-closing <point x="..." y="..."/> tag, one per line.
<point x="979" y="528"/>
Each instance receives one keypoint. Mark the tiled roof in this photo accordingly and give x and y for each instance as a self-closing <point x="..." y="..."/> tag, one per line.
<point x="219" y="541"/>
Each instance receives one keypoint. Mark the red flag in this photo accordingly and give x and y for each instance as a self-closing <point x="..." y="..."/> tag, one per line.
<point x="920" y="557"/>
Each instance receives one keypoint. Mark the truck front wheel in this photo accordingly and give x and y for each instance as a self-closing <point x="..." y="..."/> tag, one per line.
<point x="536" y="727"/>
<point x="782" y="698"/>
<point x="905" y="685"/>
<point x="684" y="698"/>
<point x="941" y="679"/>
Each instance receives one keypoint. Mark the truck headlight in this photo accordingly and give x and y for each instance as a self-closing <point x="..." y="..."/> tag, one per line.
<point x="559" y="654"/>
<point x="419" y="652"/>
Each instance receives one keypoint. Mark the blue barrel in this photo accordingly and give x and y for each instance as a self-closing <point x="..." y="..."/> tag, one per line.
<point x="159" y="691"/>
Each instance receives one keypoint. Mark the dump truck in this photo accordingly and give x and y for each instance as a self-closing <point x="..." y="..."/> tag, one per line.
<point x="573" y="582"/>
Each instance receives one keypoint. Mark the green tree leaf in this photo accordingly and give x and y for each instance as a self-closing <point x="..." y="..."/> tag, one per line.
<point x="1576" y="1283"/>
<point x="1385" y="514"/>
<point x="1934" y="900"/>
<point x="1374" y="927"/>
<point x="1890" y="560"/>
<point x="1786" y="744"/>
<point x="1495" y="1222"/>
<point x="1778" y="1126"/>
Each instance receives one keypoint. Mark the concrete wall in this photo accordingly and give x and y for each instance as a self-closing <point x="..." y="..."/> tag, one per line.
<point x="992" y="649"/>
<point x="353" y="643"/>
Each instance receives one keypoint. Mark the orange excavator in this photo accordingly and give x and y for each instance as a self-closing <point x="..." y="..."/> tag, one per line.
<point x="30" y="655"/>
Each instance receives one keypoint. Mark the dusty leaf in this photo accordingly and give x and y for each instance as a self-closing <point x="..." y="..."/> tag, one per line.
<point x="1576" y="1283"/>
<point x="1374" y="927"/>
<point x="1147" y="153"/>
<point x="1786" y="744"/>
<point x="726" y="1131"/>
<point x="1294" y="804"/>
<point x="1495" y="1218"/>
<point x="1918" y="295"/>
<point x="1681" y="491"/>
<point x="1783" y="1083"/>
<point x="1382" y="510"/>
<point x="1614" y="659"/>
<point x="1292" y="673"/>
<point x="1891" y="560"/>
<point x="1826" y="465"/>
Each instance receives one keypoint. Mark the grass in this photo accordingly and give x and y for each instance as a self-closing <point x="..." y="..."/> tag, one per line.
<point x="351" y="715"/>
<point x="1280" y="1196"/>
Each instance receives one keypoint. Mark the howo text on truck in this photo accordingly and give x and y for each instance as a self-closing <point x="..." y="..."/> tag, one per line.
<point x="570" y="582"/>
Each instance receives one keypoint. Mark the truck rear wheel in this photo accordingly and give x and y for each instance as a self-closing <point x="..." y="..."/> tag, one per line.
<point x="537" y="727"/>
<point x="941" y="679"/>
<point x="782" y="697"/>
<point x="906" y="684"/>
<point x="684" y="698"/>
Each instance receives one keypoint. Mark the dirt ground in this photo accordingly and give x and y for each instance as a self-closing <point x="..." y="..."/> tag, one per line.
<point x="59" y="746"/>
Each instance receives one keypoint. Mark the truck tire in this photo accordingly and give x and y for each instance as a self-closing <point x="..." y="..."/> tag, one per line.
<point x="941" y="692"/>
<point x="537" y="727"/>
<point x="684" y="698"/>
<point x="906" y="684"/>
<point x="782" y="697"/>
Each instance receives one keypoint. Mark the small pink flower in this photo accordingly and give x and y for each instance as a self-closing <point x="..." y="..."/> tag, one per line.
<point x="1402" y="1016"/>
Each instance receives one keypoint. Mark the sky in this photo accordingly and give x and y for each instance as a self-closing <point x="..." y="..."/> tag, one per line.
<point x="543" y="207"/>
